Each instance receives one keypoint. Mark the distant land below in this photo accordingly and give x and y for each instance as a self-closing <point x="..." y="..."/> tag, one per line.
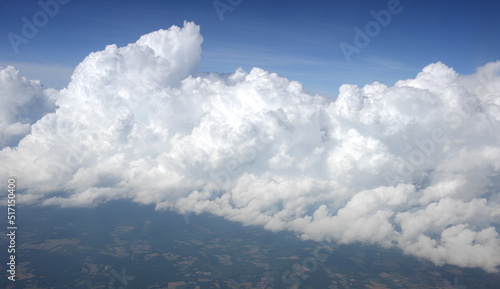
<point x="122" y="244"/>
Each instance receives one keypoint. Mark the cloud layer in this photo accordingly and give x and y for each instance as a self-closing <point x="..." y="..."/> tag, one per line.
<point x="414" y="166"/>
<point x="23" y="103"/>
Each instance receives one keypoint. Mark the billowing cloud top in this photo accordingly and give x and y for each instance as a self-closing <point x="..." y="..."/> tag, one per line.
<point x="414" y="166"/>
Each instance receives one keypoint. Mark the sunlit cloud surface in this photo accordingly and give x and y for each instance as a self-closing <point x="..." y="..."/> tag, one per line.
<point x="415" y="166"/>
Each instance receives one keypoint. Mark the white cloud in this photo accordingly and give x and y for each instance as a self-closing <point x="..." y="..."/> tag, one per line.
<point x="414" y="166"/>
<point x="23" y="103"/>
<point x="51" y="75"/>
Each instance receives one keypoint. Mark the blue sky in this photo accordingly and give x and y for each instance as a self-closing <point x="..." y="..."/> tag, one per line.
<point x="296" y="39"/>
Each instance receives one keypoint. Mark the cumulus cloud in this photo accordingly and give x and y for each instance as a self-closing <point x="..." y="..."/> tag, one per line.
<point x="414" y="166"/>
<point x="23" y="103"/>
